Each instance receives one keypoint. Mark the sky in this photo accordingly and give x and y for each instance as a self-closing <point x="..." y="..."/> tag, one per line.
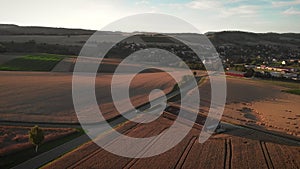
<point x="206" y="15"/>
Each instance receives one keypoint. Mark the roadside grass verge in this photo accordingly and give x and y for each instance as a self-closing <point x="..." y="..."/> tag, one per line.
<point x="16" y="158"/>
<point x="38" y="62"/>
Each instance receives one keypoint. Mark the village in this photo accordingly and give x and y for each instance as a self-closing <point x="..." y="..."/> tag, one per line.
<point x="281" y="72"/>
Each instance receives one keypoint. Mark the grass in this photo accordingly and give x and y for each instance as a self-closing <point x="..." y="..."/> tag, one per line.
<point x="289" y="85"/>
<point x="292" y="87"/>
<point x="14" y="159"/>
<point x="292" y="91"/>
<point x="286" y="84"/>
<point x="40" y="62"/>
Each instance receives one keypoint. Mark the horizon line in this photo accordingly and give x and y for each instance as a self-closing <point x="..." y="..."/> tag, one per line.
<point x="88" y="29"/>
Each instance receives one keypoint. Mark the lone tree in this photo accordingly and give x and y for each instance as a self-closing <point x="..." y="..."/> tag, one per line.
<point x="36" y="136"/>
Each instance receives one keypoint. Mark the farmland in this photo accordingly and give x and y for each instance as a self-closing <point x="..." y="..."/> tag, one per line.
<point x="236" y="148"/>
<point x="247" y="104"/>
<point x="39" y="62"/>
<point x="262" y="104"/>
<point x="42" y="88"/>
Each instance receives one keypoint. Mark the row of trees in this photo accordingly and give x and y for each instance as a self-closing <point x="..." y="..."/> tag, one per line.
<point x="32" y="46"/>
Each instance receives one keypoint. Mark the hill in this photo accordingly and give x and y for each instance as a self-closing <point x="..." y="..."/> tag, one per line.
<point x="10" y="29"/>
<point x="241" y="47"/>
<point x="235" y="46"/>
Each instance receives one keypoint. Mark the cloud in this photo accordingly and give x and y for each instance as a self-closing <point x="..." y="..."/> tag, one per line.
<point x="244" y="10"/>
<point x="285" y="3"/>
<point x="143" y="2"/>
<point x="224" y="8"/>
<point x="204" y="4"/>
<point x="291" y="11"/>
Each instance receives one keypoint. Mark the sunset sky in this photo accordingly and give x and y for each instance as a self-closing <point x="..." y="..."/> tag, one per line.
<point x="206" y="15"/>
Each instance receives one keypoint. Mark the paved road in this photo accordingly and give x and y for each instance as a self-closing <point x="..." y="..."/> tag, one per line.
<point x="48" y="156"/>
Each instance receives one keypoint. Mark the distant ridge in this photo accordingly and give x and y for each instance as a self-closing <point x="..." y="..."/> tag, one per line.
<point x="11" y="29"/>
<point x="233" y="45"/>
<point x="238" y="38"/>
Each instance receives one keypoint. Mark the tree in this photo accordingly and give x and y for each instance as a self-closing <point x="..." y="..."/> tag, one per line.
<point x="36" y="136"/>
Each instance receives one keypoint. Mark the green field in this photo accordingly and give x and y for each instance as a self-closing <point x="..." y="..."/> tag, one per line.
<point x="39" y="62"/>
